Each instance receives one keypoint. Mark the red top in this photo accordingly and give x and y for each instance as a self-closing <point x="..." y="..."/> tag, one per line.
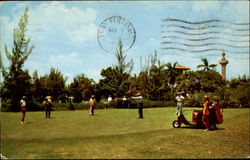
<point x="205" y="108"/>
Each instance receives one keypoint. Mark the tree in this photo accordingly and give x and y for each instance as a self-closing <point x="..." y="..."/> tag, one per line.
<point x="172" y="74"/>
<point x="1" y="73"/>
<point x="55" y="84"/>
<point x="39" y="90"/>
<point x="81" y="88"/>
<point x="206" y="66"/>
<point x="196" y="81"/>
<point x="152" y="80"/>
<point x="52" y="84"/>
<point x="117" y="78"/>
<point x="17" y="81"/>
<point x="157" y="81"/>
<point x="122" y="71"/>
<point x="144" y="82"/>
<point x="107" y="84"/>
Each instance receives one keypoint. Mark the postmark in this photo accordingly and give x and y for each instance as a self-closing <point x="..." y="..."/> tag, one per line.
<point x="113" y="29"/>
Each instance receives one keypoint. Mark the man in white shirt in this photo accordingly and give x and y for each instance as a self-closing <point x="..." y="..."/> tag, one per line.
<point x="23" y="108"/>
<point x="139" y="99"/>
<point x="180" y="100"/>
<point x="109" y="100"/>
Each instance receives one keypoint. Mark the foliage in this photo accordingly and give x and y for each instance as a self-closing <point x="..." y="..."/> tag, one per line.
<point x="239" y="93"/>
<point x="81" y="88"/>
<point x="52" y="84"/>
<point x="172" y="74"/>
<point x="206" y="66"/>
<point x="153" y="79"/>
<point x="17" y="82"/>
<point x="71" y="106"/>
<point x="107" y="84"/>
<point x="39" y="89"/>
<point x="193" y="81"/>
<point x="55" y="84"/>
<point x="116" y="78"/>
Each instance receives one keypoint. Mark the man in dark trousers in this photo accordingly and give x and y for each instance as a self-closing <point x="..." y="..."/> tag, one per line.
<point x="48" y="105"/>
<point x="23" y="108"/>
<point x="139" y="99"/>
<point x="92" y="105"/>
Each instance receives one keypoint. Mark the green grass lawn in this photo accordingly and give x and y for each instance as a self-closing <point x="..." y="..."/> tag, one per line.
<point x="117" y="133"/>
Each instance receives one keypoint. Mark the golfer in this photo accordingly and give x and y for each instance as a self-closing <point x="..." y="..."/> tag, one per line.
<point x="139" y="99"/>
<point x="92" y="104"/>
<point x="179" y="106"/>
<point x="23" y="108"/>
<point x="48" y="105"/>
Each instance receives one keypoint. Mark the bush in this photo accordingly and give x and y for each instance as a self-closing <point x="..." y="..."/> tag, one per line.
<point x="35" y="106"/>
<point x="155" y="104"/>
<point x="71" y="106"/>
<point x="31" y="106"/>
<point x="6" y="107"/>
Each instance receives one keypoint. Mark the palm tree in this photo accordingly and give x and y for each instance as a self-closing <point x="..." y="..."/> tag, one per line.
<point x="205" y="65"/>
<point x="172" y="74"/>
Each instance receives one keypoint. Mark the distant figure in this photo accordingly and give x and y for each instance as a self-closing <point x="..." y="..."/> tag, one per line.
<point x="23" y="108"/>
<point x="116" y="102"/>
<point x="139" y="99"/>
<point x="48" y="105"/>
<point x="205" y="116"/>
<point x="179" y="106"/>
<point x="109" y="100"/>
<point x="92" y="104"/>
<point x="124" y="101"/>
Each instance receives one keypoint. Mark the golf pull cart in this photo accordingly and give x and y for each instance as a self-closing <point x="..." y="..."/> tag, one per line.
<point x="197" y="119"/>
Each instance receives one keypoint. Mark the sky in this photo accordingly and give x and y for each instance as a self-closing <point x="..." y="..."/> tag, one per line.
<point x="65" y="34"/>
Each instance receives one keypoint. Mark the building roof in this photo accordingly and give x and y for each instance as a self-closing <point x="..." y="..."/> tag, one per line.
<point x="182" y="67"/>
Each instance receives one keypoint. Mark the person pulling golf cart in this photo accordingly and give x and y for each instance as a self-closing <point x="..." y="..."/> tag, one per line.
<point x="206" y="118"/>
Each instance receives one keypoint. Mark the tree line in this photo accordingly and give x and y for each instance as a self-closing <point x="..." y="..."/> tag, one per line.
<point x="156" y="81"/>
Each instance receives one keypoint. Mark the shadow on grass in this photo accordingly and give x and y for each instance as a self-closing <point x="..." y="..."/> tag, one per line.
<point x="27" y="123"/>
<point x="198" y="128"/>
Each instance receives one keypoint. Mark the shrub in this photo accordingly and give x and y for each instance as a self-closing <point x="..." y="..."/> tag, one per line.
<point x="154" y="104"/>
<point x="6" y="107"/>
<point x="34" y="106"/>
<point x="71" y="106"/>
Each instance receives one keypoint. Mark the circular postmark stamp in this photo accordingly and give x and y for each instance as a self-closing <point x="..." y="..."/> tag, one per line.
<point x="115" y="29"/>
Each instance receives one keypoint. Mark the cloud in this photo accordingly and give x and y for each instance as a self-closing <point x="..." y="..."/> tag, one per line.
<point x="68" y="63"/>
<point x="160" y="6"/>
<point x="85" y="33"/>
<point x="205" y="5"/>
<point x="65" y="60"/>
<point x="51" y="22"/>
<point x="55" y="20"/>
